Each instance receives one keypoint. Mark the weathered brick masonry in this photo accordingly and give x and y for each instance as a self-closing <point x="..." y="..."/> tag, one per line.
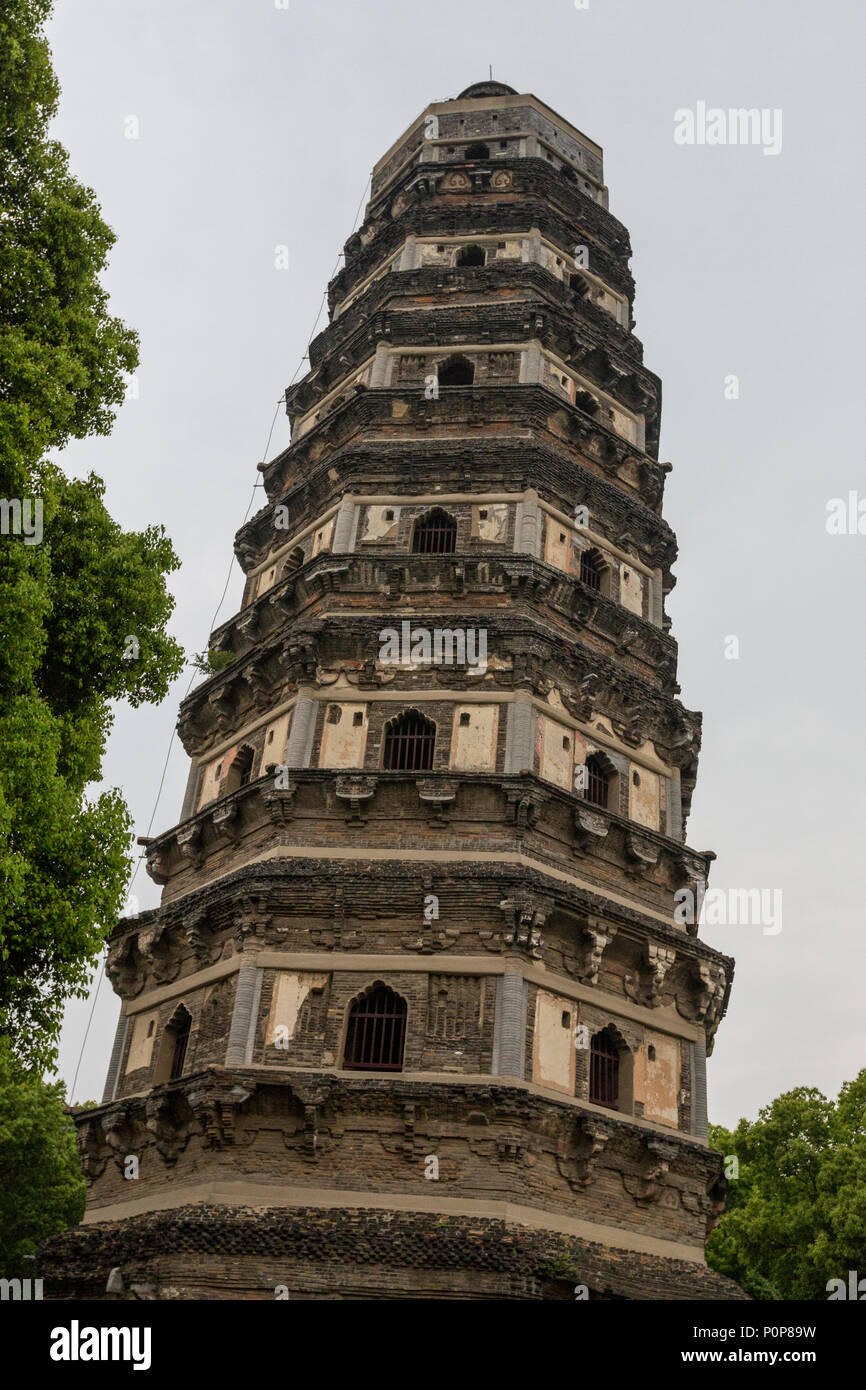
<point x="416" y="1016"/>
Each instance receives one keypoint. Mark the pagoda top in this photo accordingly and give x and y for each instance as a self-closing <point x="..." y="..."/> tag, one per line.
<point x="487" y="89"/>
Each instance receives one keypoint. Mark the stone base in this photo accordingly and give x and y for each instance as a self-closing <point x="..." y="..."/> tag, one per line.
<point x="218" y="1252"/>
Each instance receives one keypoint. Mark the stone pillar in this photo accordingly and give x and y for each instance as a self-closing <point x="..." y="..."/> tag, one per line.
<point x="656" y="598"/>
<point x="519" y="740"/>
<point x="531" y="250"/>
<point x="244" y="1016"/>
<point x="699" y="1088"/>
<point x="530" y="365"/>
<point x="379" y="372"/>
<point x="188" y="808"/>
<point x="299" y="745"/>
<point x="408" y="258"/>
<point x="509" y="1028"/>
<point x="113" y="1076"/>
<point x="675" y="806"/>
<point x="344" y="526"/>
<point x="527" y="525"/>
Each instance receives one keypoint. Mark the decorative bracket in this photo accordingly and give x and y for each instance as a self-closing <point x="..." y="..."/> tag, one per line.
<point x="598" y="938"/>
<point x="590" y="828"/>
<point x="659" y="959"/>
<point x="355" y="790"/>
<point x="525" y="916"/>
<point x="280" y="802"/>
<point x="656" y="1159"/>
<point x="189" y="844"/>
<point x="578" y="1152"/>
<point x="641" y="853"/>
<point x="438" y="795"/>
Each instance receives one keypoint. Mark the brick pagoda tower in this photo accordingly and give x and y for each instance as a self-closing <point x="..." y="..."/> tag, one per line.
<point x="415" y="1016"/>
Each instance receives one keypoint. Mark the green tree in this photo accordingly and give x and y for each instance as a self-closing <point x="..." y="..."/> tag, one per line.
<point x="42" y="1190"/>
<point x="83" y="605"/>
<point x="796" y="1212"/>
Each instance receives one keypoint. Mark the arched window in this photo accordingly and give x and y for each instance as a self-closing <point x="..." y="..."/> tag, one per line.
<point x="172" y="1049"/>
<point x="241" y="769"/>
<point x="435" y="534"/>
<point x="604" y="1069"/>
<point x="376" y="1032"/>
<point x="598" y="779"/>
<point x="457" y="371"/>
<point x="476" y="152"/>
<point x="409" y="741"/>
<point x="471" y="255"/>
<point x="590" y="570"/>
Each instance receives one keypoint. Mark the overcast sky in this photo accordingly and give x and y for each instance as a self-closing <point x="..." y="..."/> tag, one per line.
<point x="258" y="126"/>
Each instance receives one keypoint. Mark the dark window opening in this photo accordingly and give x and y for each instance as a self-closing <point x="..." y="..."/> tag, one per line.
<point x="178" y="1036"/>
<point x="435" y="534"/>
<point x="471" y="255"/>
<point x="590" y="570"/>
<point x="357" y="719"/>
<point x="651" y="1052"/>
<point x="376" y="1032"/>
<point x="566" y="1019"/>
<point x="409" y="741"/>
<point x="459" y="371"/>
<point x="604" y="1070"/>
<point x="597" y="781"/>
<point x="464" y="719"/>
<point x="241" y="769"/>
<point x="476" y="152"/>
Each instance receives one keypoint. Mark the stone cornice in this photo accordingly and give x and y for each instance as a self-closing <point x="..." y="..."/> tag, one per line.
<point x="537" y="196"/>
<point x="480" y="576"/>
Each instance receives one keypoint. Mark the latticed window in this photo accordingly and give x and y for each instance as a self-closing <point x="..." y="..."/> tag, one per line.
<point x="435" y="534"/>
<point x="590" y="570"/>
<point x="377" y="1031"/>
<point x="597" y="785"/>
<point x="409" y="741"/>
<point x="604" y="1070"/>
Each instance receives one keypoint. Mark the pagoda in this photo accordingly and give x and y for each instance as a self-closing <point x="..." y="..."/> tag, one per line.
<point x="420" y="1014"/>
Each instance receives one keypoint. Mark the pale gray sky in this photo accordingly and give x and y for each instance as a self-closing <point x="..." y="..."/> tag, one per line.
<point x="258" y="126"/>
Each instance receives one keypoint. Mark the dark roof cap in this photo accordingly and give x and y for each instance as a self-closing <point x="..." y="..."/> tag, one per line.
<point x="487" y="89"/>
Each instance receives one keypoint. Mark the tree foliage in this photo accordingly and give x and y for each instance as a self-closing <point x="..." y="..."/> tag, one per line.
<point x="83" y="611"/>
<point x="796" y="1214"/>
<point x="42" y="1190"/>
